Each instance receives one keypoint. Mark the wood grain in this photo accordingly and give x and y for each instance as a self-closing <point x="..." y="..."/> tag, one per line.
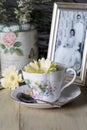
<point x="9" y="112"/>
<point x="72" y="116"/>
<point x="15" y="116"/>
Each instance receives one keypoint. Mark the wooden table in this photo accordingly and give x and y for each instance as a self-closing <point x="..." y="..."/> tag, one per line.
<point x="15" y="116"/>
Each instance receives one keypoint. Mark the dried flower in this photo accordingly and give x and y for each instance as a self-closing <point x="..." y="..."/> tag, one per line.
<point x="20" y="14"/>
<point x="3" y="12"/>
<point x="23" y="12"/>
<point x="11" y="78"/>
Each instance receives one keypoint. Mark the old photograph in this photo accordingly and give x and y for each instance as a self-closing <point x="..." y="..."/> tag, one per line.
<point x="70" y="39"/>
<point x="67" y="44"/>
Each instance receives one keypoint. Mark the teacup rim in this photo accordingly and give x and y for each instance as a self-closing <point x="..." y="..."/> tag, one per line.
<point x="60" y="65"/>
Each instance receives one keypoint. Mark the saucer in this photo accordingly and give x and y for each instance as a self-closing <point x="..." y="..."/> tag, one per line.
<point x="67" y="96"/>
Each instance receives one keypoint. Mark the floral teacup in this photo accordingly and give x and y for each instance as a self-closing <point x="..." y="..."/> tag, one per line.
<point x="47" y="86"/>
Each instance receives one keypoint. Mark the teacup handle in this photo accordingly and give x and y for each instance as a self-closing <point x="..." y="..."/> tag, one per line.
<point x="73" y="79"/>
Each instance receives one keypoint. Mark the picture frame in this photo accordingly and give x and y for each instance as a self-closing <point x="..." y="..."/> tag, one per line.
<point x="68" y="38"/>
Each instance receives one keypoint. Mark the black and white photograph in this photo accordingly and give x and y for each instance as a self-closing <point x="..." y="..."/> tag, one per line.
<point x="69" y="38"/>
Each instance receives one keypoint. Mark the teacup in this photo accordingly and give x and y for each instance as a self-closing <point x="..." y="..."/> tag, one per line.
<point x="48" y="86"/>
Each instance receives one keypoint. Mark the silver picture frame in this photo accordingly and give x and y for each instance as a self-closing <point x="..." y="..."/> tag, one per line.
<point x="68" y="38"/>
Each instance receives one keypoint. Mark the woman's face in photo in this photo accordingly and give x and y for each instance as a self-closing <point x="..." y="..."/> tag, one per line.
<point x="78" y="18"/>
<point x="72" y="33"/>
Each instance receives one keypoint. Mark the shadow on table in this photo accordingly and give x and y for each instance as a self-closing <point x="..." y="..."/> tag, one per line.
<point x="78" y="102"/>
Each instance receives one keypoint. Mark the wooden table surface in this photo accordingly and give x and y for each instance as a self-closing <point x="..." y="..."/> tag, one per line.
<point x="15" y="116"/>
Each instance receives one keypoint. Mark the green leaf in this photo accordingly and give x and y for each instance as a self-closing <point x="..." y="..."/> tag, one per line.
<point x="17" y="44"/>
<point x="27" y="82"/>
<point x="16" y="33"/>
<point x="18" y="51"/>
<point x="6" y="50"/>
<point x="2" y="46"/>
<point x="12" y="50"/>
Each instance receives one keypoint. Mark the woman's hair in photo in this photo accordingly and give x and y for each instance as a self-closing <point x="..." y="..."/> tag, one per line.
<point x="72" y="30"/>
<point x="78" y="16"/>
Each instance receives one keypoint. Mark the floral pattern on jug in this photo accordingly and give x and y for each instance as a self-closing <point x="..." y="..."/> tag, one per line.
<point x="10" y="44"/>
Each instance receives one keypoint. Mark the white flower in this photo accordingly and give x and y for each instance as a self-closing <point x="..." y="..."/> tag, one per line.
<point x="11" y="78"/>
<point x="44" y="64"/>
<point x="41" y="66"/>
<point x="32" y="67"/>
<point x="20" y="3"/>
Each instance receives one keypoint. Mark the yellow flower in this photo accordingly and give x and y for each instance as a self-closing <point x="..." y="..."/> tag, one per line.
<point x="41" y="66"/>
<point x="32" y="67"/>
<point x="44" y="64"/>
<point x="11" y="78"/>
<point x="52" y="67"/>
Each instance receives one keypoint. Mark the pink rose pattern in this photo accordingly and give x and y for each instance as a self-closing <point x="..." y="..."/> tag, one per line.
<point x="9" y="39"/>
<point x="10" y="44"/>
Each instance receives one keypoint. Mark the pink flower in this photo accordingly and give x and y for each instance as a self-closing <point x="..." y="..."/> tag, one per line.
<point x="9" y="39"/>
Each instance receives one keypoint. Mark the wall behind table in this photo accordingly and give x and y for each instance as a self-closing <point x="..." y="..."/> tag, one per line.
<point x="44" y="23"/>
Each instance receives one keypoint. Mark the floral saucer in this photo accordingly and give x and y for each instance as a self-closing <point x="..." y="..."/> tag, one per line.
<point x="67" y="96"/>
